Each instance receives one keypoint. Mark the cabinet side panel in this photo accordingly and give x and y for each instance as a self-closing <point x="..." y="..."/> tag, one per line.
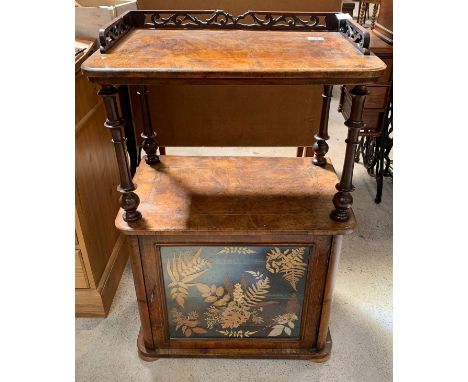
<point x="315" y="287"/>
<point x="140" y="289"/>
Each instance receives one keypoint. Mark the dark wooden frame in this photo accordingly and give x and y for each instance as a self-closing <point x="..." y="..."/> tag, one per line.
<point x="111" y="33"/>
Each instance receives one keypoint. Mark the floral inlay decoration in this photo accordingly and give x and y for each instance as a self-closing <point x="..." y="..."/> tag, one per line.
<point x="234" y="292"/>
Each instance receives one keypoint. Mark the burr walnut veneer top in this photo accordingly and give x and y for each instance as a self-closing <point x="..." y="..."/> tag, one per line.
<point x="235" y="195"/>
<point x="314" y="57"/>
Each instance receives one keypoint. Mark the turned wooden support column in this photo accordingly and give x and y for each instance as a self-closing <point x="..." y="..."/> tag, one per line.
<point x="342" y="98"/>
<point x="343" y="199"/>
<point x="129" y="201"/>
<point x="321" y="145"/>
<point x="150" y="144"/>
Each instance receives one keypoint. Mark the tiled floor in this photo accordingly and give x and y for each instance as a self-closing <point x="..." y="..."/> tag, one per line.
<point x="361" y="322"/>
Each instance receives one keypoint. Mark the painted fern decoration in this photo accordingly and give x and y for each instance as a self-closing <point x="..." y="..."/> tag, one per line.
<point x="236" y="333"/>
<point x="256" y="293"/>
<point x="183" y="271"/>
<point x="235" y="251"/>
<point x="289" y="263"/>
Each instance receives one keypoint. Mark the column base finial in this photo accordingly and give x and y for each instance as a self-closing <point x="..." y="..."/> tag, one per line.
<point x="129" y="201"/>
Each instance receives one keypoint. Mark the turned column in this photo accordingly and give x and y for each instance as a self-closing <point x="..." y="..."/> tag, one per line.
<point x="362" y="12"/>
<point x="342" y="98"/>
<point x="129" y="201"/>
<point x="374" y="15"/>
<point x="343" y="199"/>
<point x="150" y="144"/>
<point x="321" y="146"/>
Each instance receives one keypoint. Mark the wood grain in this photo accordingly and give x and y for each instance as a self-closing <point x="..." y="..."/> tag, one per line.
<point x="97" y="301"/>
<point x="305" y="354"/>
<point x="234" y="54"/>
<point x="136" y="257"/>
<point x="384" y="24"/>
<point x="334" y="260"/>
<point x="231" y="115"/>
<point x="96" y="174"/>
<point x="81" y="281"/>
<point x="235" y="195"/>
<point x="197" y="115"/>
<point x="102" y="253"/>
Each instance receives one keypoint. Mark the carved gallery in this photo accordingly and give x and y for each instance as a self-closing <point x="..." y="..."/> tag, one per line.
<point x="240" y="154"/>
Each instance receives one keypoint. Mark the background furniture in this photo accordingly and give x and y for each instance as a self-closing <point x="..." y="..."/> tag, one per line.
<point x="375" y="142"/>
<point x="269" y="115"/>
<point x="364" y="8"/>
<point x="348" y="7"/>
<point x="384" y="23"/>
<point x="90" y="15"/>
<point x="100" y="251"/>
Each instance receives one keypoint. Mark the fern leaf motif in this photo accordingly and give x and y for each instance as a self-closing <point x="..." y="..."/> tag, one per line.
<point x="236" y="333"/>
<point x="235" y="250"/>
<point x="185" y="268"/>
<point x="257" y="292"/>
<point x="289" y="263"/>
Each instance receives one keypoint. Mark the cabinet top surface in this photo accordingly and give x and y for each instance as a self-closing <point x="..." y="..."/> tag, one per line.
<point x="150" y="54"/>
<point x="235" y="195"/>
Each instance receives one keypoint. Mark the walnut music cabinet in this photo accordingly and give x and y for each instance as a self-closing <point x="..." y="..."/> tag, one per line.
<point x="234" y="256"/>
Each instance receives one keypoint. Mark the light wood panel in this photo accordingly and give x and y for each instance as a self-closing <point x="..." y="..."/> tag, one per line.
<point x="81" y="280"/>
<point x="101" y="252"/>
<point x="96" y="302"/>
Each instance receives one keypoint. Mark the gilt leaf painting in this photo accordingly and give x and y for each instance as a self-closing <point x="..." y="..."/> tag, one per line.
<point x="235" y="292"/>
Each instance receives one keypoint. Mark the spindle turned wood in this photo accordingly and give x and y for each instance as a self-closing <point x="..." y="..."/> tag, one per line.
<point x="343" y="199"/>
<point x="189" y="201"/>
<point x="150" y="144"/>
<point x="129" y="200"/>
<point x="321" y="145"/>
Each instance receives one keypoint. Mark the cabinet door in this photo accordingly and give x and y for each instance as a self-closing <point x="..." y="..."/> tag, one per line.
<point x="235" y="295"/>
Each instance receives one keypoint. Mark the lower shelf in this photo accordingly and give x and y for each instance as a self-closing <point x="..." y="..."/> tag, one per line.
<point x="239" y="195"/>
<point x="304" y="354"/>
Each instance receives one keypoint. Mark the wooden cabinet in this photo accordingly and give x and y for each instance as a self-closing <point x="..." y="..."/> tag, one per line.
<point x="235" y="257"/>
<point x="100" y="251"/>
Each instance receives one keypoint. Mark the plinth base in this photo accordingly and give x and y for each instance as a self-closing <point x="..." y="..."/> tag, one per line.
<point x="305" y="354"/>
